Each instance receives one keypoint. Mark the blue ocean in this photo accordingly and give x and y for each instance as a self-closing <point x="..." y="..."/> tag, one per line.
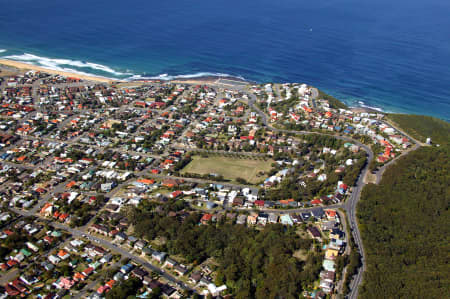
<point x="391" y="55"/>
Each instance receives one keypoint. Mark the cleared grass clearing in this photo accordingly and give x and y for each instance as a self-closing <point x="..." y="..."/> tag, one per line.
<point x="229" y="167"/>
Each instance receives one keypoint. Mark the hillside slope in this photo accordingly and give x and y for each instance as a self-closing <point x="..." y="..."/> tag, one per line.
<point x="405" y="228"/>
<point x="421" y="127"/>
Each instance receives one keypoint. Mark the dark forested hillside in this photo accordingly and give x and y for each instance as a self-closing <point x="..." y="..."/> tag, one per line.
<point x="406" y="229"/>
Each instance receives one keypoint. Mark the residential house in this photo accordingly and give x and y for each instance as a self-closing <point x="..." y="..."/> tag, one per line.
<point x="180" y="270"/>
<point x="241" y="219"/>
<point x="314" y="232"/>
<point x="159" y="256"/>
<point x="273" y="218"/>
<point x="170" y="263"/>
<point x="139" y="273"/>
<point x="252" y="219"/>
<point x="286" y="220"/>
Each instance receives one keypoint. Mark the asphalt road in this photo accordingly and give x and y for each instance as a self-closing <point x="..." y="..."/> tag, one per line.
<point x="113" y="247"/>
<point x="350" y="204"/>
<point x="379" y="173"/>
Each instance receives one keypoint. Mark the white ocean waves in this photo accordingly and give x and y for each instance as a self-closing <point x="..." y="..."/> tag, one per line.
<point x="363" y="104"/>
<point x="61" y="64"/>
<point x="167" y="77"/>
<point x="90" y="68"/>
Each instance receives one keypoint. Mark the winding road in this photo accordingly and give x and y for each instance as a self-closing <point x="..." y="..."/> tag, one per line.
<point x="351" y="203"/>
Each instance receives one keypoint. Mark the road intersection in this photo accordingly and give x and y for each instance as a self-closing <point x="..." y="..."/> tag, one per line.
<point x="349" y="205"/>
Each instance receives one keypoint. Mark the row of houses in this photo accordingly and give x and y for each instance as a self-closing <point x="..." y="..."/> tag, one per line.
<point x="326" y="216"/>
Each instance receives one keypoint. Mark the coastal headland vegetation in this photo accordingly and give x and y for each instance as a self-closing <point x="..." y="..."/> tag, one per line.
<point x="334" y="103"/>
<point x="421" y="127"/>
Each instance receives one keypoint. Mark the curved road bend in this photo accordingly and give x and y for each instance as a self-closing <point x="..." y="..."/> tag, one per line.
<point x="350" y="204"/>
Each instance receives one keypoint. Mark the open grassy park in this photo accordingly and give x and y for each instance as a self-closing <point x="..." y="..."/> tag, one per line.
<point x="229" y="167"/>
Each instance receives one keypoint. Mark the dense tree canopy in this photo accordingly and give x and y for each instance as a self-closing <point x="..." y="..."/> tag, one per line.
<point x="405" y="228"/>
<point x="124" y="289"/>
<point x="421" y="127"/>
<point x="253" y="263"/>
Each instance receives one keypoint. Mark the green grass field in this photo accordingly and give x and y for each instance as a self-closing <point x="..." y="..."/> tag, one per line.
<point x="229" y="167"/>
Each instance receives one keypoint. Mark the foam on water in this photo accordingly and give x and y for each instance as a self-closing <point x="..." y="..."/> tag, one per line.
<point x="55" y="67"/>
<point x="104" y="71"/>
<point x="395" y="58"/>
<point x="363" y="105"/>
<point x="89" y="68"/>
<point x="167" y="77"/>
<point x="58" y="64"/>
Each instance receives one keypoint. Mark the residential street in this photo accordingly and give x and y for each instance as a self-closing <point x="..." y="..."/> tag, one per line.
<point x="165" y="149"/>
<point x="106" y="244"/>
<point x="351" y="203"/>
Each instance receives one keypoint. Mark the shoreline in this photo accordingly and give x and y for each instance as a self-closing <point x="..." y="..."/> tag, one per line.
<point x="31" y="67"/>
<point x="199" y="80"/>
<point x="230" y="80"/>
<point x="365" y="109"/>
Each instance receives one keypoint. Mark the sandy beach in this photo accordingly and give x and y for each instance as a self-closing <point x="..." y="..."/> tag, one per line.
<point x="27" y="66"/>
